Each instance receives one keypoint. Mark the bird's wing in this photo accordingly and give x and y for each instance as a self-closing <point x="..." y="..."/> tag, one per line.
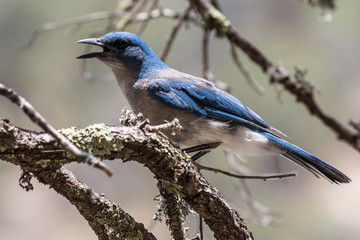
<point x="202" y="98"/>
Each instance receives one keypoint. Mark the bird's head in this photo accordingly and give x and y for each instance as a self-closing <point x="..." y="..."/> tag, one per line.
<point x="124" y="50"/>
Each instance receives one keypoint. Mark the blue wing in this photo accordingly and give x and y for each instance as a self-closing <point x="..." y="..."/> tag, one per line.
<point x="203" y="99"/>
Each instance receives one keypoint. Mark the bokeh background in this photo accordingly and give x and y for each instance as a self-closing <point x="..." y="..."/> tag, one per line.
<point x="288" y="32"/>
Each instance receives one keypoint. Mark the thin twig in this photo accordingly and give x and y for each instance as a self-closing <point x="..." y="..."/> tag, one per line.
<point x="205" y="56"/>
<point x="173" y="33"/>
<point x="164" y="12"/>
<point x="206" y="66"/>
<point x="259" y="213"/>
<point x="96" y="16"/>
<point x="146" y="22"/>
<point x="39" y="120"/>
<point x="131" y="12"/>
<point x="78" y="21"/>
<point x="173" y="125"/>
<point x="253" y="83"/>
<point x="355" y="125"/>
<point x="216" y="170"/>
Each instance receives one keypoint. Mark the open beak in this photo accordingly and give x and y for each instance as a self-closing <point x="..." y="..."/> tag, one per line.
<point x="92" y="41"/>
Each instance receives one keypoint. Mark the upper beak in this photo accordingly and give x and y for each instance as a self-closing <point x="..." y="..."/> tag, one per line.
<point x="92" y="41"/>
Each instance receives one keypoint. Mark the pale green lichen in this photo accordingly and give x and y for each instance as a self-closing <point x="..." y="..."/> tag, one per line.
<point x="3" y="149"/>
<point x="95" y="139"/>
<point x="219" y="18"/>
<point x="10" y="157"/>
<point x="172" y="188"/>
<point x="109" y="212"/>
<point x="113" y="215"/>
<point x="43" y="162"/>
<point x="177" y="162"/>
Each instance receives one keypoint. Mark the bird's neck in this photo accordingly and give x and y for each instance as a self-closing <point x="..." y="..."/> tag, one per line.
<point x="151" y="65"/>
<point x="128" y="74"/>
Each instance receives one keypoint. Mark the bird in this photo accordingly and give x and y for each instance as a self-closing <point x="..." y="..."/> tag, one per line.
<point x="207" y="114"/>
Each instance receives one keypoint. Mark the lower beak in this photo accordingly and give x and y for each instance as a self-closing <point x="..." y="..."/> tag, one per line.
<point x="91" y="41"/>
<point x="91" y="55"/>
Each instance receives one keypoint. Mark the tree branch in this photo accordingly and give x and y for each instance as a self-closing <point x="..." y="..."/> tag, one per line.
<point x="294" y="83"/>
<point x="173" y="212"/>
<point x="104" y="15"/>
<point x="254" y="84"/>
<point x="173" y="33"/>
<point x="38" y="119"/>
<point x="264" y="178"/>
<point x="105" y="217"/>
<point x="37" y="151"/>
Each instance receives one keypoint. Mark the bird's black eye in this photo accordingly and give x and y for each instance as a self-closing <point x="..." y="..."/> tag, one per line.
<point x="121" y="44"/>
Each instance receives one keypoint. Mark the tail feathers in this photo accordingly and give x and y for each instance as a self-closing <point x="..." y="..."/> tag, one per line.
<point x="317" y="167"/>
<point x="308" y="161"/>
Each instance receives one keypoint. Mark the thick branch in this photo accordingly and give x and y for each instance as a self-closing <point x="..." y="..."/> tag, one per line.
<point x="39" y="154"/>
<point x="105" y="217"/>
<point x="29" y="149"/>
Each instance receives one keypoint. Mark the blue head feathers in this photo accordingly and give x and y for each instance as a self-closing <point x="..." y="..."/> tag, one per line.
<point x="128" y="49"/>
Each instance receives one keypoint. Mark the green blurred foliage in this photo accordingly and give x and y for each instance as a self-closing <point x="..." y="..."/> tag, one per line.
<point x="288" y="32"/>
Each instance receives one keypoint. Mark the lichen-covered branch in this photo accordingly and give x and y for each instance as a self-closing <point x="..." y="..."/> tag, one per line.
<point x="36" y="152"/>
<point x="172" y="204"/>
<point x="105" y="217"/>
<point x="39" y="154"/>
<point x="38" y="119"/>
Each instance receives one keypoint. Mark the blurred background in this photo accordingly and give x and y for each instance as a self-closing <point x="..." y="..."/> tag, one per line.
<point x="288" y="32"/>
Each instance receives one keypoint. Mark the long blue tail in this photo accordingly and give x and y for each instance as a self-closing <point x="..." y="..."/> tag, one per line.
<point x="308" y="161"/>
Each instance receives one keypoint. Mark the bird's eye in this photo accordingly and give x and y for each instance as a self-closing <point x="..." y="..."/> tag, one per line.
<point x="121" y="44"/>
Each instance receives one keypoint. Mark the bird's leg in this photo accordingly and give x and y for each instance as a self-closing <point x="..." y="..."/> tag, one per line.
<point x="201" y="149"/>
<point x="199" y="154"/>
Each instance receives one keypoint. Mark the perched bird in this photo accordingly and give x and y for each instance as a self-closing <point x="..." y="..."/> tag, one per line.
<point x="207" y="114"/>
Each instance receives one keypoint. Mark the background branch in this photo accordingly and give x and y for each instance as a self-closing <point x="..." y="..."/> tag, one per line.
<point x="301" y="89"/>
<point x="173" y="33"/>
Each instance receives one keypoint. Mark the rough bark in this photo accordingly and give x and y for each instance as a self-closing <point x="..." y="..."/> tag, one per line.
<point x="39" y="154"/>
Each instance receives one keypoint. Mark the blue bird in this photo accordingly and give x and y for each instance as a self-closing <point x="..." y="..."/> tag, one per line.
<point x="207" y="114"/>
